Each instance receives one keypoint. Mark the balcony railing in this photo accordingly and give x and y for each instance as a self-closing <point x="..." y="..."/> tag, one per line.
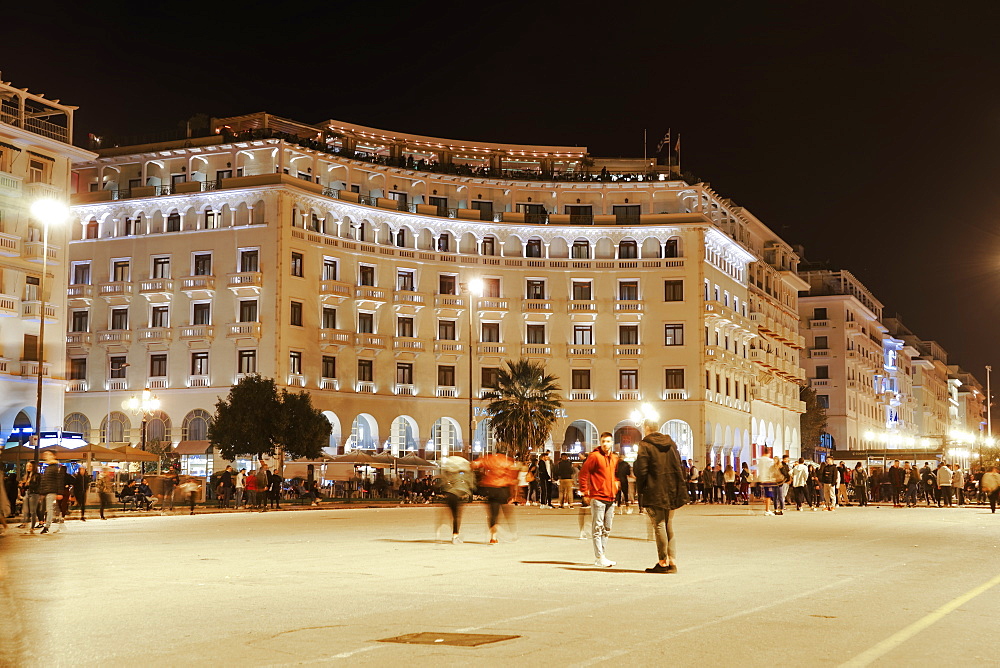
<point x="448" y="347"/>
<point x="581" y="395"/>
<point x="492" y="304"/>
<point x="408" y="297"/>
<point x="581" y="351"/>
<point x="245" y="280"/>
<point x="329" y="384"/>
<point x="628" y="305"/>
<point x="365" y="387"/>
<point x="84" y="293"/>
<point x="157" y="382"/>
<point x="10" y="245"/>
<point x="31" y="368"/>
<point x="628" y="395"/>
<point x="675" y="395"/>
<point x="9" y="307"/>
<point x="155" y="335"/>
<point x="195" y="284"/>
<point x="340" y="336"/>
<point x="537" y="305"/>
<point x="79" y="339"/>
<point x="405" y="389"/>
<point x="244" y="329"/>
<point x="33" y="311"/>
<point x="76" y="385"/>
<point x="581" y="305"/>
<point x="446" y="391"/>
<point x="536" y="350"/>
<point x="449" y="301"/>
<point x="33" y="252"/>
<point x="296" y="380"/>
<point x="368" y="293"/>
<point x="114" y="289"/>
<point x="492" y="349"/>
<point x="120" y="336"/>
<point x="336" y="289"/>
<point x="198" y="381"/>
<point x="628" y="351"/>
<point x="197" y="332"/>
<point x="407" y="343"/>
<point x="369" y="340"/>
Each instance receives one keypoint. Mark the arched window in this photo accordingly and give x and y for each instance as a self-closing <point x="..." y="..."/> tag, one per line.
<point x="533" y="248"/>
<point x="115" y="428"/>
<point x="489" y="246"/>
<point x="195" y="425"/>
<point x="77" y="422"/>
<point x="671" y="248"/>
<point x="158" y="427"/>
<point x="212" y="218"/>
<point x="628" y="249"/>
<point x="92" y="229"/>
<point x="401" y="237"/>
<point x="581" y="249"/>
<point x="173" y="222"/>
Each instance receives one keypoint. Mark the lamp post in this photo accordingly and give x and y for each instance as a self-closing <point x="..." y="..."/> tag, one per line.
<point x="49" y="212"/>
<point x="107" y="426"/>
<point x="143" y="405"/>
<point x="473" y="288"/>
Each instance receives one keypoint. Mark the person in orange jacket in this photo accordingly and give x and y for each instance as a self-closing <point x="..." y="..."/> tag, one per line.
<point x="599" y="487"/>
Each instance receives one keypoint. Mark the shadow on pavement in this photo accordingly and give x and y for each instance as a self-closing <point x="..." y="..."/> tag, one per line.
<point x="595" y="569"/>
<point x="557" y="563"/>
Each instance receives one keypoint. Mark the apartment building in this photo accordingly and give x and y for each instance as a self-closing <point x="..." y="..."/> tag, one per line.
<point x="345" y="260"/>
<point x="36" y="154"/>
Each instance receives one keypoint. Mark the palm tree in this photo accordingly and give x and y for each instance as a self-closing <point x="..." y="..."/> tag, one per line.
<point x="523" y="407"/>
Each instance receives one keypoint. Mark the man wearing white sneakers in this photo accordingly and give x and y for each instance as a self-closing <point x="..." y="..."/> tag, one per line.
<point x="599" y="486"/>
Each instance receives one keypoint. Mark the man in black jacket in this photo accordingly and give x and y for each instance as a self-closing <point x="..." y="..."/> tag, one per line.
<point x="52" y="484"/>
<point x="661" y="488"/>
<point x="897" y="477"/>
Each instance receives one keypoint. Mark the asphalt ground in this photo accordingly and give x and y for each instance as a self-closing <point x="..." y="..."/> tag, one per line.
<point x="861" y="586"/>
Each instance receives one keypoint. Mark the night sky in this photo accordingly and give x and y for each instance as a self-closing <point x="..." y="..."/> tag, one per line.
<point x="867" y="132"/>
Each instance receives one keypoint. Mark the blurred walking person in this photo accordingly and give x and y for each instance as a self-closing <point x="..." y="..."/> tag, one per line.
<point x="622" y="471"/>
<point x="52" y="487"/>
<point x="599" y="487"/>
<point x="829" y="475"/>
<point x="729" y="480"/>
<point x="170" y="480"/>
<point x="799" y="477"/>
<point x="457" y="485"/>
<point x="990" y="485"/>
<point x="81" y="485"/>
<point x="105" y="490"/>
<point x="958" y="485"/>
<point x="661" y="488"/>
<point x="497" y="475"/>
<point x="29" y="491"/>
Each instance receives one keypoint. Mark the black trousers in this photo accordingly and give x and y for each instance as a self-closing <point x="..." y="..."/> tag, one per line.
<point x="993" y="496"/>
<point x="455" y="506"/>
<point x="544" y="491"/>
<point x="497" y="498"/>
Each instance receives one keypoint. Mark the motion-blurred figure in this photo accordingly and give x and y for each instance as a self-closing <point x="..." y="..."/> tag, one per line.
<point x="497" y="477"/>
<point x="457" y="484"/>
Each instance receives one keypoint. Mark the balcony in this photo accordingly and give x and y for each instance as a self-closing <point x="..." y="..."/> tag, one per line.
<point x="9" y="307"/>
<point x="628" y="306"/>
<point x="446" y="391"/>
<point x="371" y="341"/>
<point x="581" y="395"/>
<point x="335" y="292"/>
<point x="31" y="368"/>
<point x="819" y="324"/>
<point x="628" y="395"/>
<point x="116" y="384"/>
<point x="10" y="245"/>
<point x="632" y="351"/>
<point x="817" y="353"/>
<point x="820" y="382"/>
<point x="243" y="330"/>
<point x="77" y="385"/>
<point x="296" y="380"/>
<point x="193" y="333"/>
<point x="493" y="349"/>
<point x="156" y="290"/>
<point x="9" y="367"/>
<point x="80" y="295"/>
<point x="367" y="297"/>
<point x="198" y="381"/>
<point x="537" y="306"/>
<point x="581" y="305"/>
<point x="408" y="302"/>
<point x="115" y="292"/>
<point x="491" y="305"/>
<point x="448" y="347"/>
<point x="336" y="337"/>
<point x="536" y="350"/>
<point x="157" y="383"/>
<point x="32" y="312"/>
<point x="245" y="283"/>
<point x="329" y="384"/>
<point x="115" y="336"/>
<point x="33" y="252"/>
<point x="365" y="387"/>
<point x="581" y="351"/>
<point x="407" y="343"/>
<point x="449" y="305"/>
<point x="78" y="339"/>
<point x="852" y="327"/>
<point x="198" y="287"/>
<point x="10" y="185"/>
<point x="153" y="335"/>
<point x="675" y="395"/>
<point x="405" y="389"/>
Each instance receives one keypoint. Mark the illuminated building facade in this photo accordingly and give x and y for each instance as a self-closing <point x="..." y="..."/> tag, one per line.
<point x="341" y="260"/>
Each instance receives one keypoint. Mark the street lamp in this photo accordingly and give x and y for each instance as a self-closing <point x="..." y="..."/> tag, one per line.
<point x="473" y="288"/>
<point x="49" y="212"/>
<point x="143" y="405"/>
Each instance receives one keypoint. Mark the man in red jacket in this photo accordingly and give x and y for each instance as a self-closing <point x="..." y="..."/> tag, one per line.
<point x="599" y="486"/>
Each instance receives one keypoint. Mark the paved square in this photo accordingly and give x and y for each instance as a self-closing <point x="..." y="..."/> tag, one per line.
<point x="323" y="587"/>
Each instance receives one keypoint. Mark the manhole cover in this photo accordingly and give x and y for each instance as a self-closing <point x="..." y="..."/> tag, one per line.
<point x="453" y="639"/>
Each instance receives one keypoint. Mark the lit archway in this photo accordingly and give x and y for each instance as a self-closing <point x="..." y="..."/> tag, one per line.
<point x="333" y="444"/>
<point x="581" y="436"/>
<point x="446" y="436"/>
<point x="364" y="433"/>
<point x="403" y="436"/>
<point x="680" y="431"/>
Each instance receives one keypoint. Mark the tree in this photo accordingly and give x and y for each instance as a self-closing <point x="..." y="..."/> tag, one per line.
<point x="812" y="423"/>
<point x="523" y="407"/>
<point x="256" y="420"/>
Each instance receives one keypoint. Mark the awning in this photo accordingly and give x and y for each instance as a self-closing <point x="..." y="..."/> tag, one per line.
<point x="192" y="448"/>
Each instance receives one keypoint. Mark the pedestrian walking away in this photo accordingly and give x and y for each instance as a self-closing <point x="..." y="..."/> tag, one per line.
<point x="456" y="484"/>
<point x="496" y="477"/>
<point x="52" y="487"/>
<point x="661" y="488"/>
<point x="544" y="474"/>
<point x="599" y="486"/>
<point x="105" y="489"/>
<point x="564" y="471"/>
